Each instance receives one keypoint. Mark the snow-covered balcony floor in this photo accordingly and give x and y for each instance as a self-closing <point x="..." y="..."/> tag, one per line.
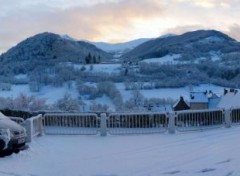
<point x="209" y="153"/>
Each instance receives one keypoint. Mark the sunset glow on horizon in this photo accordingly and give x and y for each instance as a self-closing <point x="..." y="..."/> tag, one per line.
<point x="114" y="20"/>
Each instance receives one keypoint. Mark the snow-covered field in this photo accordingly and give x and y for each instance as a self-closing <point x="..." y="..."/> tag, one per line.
<point x="52" y="94"/>
<point x="168" y="59"/>
<point x="209" y="153"/>
<point x="102" y="68"/>
<point x="49" y="93"/>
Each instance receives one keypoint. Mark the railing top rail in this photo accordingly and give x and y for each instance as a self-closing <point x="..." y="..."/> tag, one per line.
<point x="70" y="114"/>
<point x="198" y="111"/>
<point x="138" y="113"/>
<point x="235" y="108"/>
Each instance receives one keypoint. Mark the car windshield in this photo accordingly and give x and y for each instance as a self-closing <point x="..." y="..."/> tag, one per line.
<point x="2" y="116"/>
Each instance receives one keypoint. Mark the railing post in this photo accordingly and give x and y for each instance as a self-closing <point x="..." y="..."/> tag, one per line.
<point x="29" y="130"/>
<point x="227" y="117"/>
<point x="171" y="122"/>
<point x="41" y="125"/>
<point x="103" y="124"/>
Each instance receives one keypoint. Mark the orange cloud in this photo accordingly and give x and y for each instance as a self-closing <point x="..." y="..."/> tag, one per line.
<point x="112" y="20"/>
<point x="104" y="21"/>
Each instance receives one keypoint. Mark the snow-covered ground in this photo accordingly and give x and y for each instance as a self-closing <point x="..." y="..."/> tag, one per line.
<point x="49" y="93"/>
<point x="168" y="59"/>
<point x="208" y="153"/>
<point x="52" y="94"/>
<point x="103" y="68"/>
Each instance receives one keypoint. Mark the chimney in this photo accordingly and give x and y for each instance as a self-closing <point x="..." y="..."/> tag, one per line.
<point x="235" y="91"/>
<point x="225" y="91"/>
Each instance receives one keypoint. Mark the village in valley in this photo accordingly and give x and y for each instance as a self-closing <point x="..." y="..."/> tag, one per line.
<point x="202" y="100"/>
<point x="119" y="87"/>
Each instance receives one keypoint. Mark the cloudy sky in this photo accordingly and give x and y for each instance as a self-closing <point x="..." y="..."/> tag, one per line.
<point x="114" y="20"/>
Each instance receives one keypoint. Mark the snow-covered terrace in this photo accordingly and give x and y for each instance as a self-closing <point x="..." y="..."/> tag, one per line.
<point x="208" y="153"/>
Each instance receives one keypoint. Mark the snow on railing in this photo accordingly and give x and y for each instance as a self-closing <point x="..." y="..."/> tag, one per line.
<point x="136" y="123"/>
<point x="199" y="119"/>
<point x="34" y="127"/>
<point x="71" y="123"/>
<point x="235" y="116"/>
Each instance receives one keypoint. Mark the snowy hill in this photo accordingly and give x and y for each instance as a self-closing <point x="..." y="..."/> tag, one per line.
<point x="119" y="47"/>
<point x="51" y="47"/>
<point x="190" y="45"/>
<point x="55" y="67"/>
<point x="122" y="48"/>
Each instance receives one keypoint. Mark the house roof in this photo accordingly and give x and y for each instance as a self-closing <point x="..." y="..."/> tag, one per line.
<point x="198" y="97"/>
<point x="230" y="100"/>
<point x="181" y="105"/>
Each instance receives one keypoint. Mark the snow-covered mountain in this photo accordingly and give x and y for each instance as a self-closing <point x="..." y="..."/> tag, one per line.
<point x="191" y="45"/>
<point x="67" y="37"/>
<point x="49" y="46"/>
<point x="119" y="47"/>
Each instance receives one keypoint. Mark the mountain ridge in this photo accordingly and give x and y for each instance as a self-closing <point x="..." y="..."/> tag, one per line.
<point x="48" y="45"/>
<point x="192" y="44"/>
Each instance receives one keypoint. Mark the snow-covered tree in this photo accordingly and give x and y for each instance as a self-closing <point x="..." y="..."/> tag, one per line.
<point x="67" y="103"/>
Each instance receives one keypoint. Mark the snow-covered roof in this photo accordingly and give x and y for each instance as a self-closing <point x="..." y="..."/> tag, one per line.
<point x="181" y="104"/>
<point x="198" y="97"/>
<point x="230" y="100"/>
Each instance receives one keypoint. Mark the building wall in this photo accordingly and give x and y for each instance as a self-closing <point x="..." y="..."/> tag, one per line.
<point x="198" y="105"/>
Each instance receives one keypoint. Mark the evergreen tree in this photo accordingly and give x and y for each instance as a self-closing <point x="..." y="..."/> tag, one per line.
<point x="88" y="58"/>
<point x="94" y="60"/>
<point x="98" y="60"/>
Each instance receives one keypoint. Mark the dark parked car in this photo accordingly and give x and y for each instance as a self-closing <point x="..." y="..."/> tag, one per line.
<point x="12" y="136"/>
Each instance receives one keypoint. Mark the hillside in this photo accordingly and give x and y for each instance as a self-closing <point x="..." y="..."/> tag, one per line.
<point x="118" y="49"/>
<point x="190" y="45"/>
<point x="55" y="68"/>
<point x="48" y="46"/>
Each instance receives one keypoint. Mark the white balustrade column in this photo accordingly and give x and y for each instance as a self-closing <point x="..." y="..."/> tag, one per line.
<point x="171" y="122"/>
<point x="227" y="117"/>
<point x="103" y="124"/>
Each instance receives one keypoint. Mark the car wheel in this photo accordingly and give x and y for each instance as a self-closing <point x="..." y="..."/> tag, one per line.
<point x="2" y="144"/>
<point x="8" y="152"/>
<point x="16" y="151"/>
<point x="5" y="153"/>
